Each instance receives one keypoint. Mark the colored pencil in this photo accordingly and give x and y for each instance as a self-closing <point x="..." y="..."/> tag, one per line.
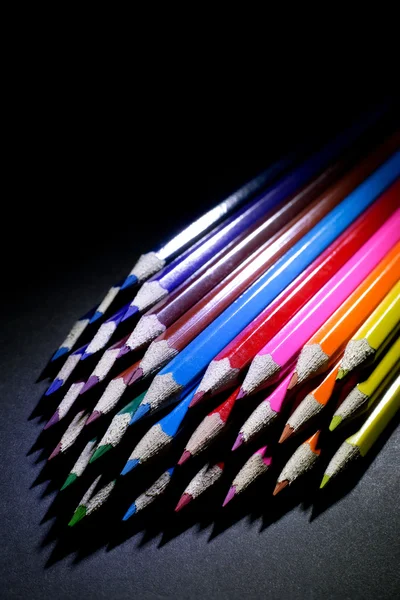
<point x="159" y="436"/>
<point x="209" y="429"/>
<point x="112" y="394"/>
<point x="334" y="334"/>
<point x="186" y="368"/>
<point x="117" y="428"/>
<point x="202" y="481"/>
<point x="104" y="333"/>
<point x="363" y="395"/>
<point x="278" y="354"/>
<point x="66" y="403"/>
<point x="81" y="464"/>
<point x="359" y="444"/>
<point x="66" y="370"/>
<point x="373" y="333"/>
<point x="90" y="503"/>
<point x="257" y="465"/>
<point x="76" y="331"/>
<point x="300" y="463"/>
<point x="71" y="434"/>
<point x="224" y="370"/>
<point x="104" y="365"/>
<point x="162" y="284"/>
<point x="106" y="302"/>
<point x="264" y="415"/>
<point x="149" y="496"/>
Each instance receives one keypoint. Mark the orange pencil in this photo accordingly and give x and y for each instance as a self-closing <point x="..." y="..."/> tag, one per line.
<point x="323" y="347"/>
<point x="302" y="461"/>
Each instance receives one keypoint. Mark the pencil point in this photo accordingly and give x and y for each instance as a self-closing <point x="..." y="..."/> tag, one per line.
<point x="198" y="397"/>
<point x="100" y="451"/>
<point x="57" y="383"/>
<point x="132" y="310"/>
<point x="56" y="451"/>
<point x="335" y="422"/>
<point x="241" y="394"/>
<point x="230" y="495"/>
<point x="185" y="456"/>
<point x="131" y="511"/>
<point x="280" y="486"/>
<point x="130" y="465"/>
<point x="60" y="352"/>
<point x="130" y="280"/>
<point x="124" y="350"/>
<point x="97" y="315"/>
<point x="52" y="421"/>
<point x="239" y="441"/>
<point x="324" y="481"/>
<point x="91" y="382"/>
<point x="77" y="516"/>
<point x="286" y="433"/>
<point x="183" y="501"/>
<point x="93" y="417"/>
<point x="341" y="374"/>
<point x="70" y="479"/>
<point x="293" y="381"/>
<point x="86" y="355"/>
<point x="137" y="375"/>
<point x="141" y="412"/>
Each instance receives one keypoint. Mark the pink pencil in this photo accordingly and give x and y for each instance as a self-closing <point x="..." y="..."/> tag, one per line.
<point x="278" y="354"/>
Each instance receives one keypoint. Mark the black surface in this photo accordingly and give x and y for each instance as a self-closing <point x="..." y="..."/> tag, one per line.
<point x="301" y="545"/>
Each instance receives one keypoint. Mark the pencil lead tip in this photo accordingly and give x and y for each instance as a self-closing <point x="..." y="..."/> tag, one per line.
<point x="280" y="486"/>
<point x="335" y="422"/>
<point x="70" y="479"/>
<point x="341" y="374"/>
<point x="91" y="382"/>
<point x="99" y="452"/>
<point x="93" y="417"/>
<point x="185" y="456"/>
<point x="241" y="394"/>
<point x="230" y="495"/>
<point x="198" y="397"/>
<point x="324" y="481"/>
<point x="293" y="381"/>
<point x="132" y="310"/>
<point x="137" y="375"/>
<point x="52" y="421"/>
<point x="53" y="387"/>
<point x="77" y="516"/>
<point x="183" y="501"/>
<point x="56" y="451"/>
<point x="97" y="315"/>
<point x="130" y="465"/>
<point x="131" y="511"/>
<point x="286" y="433"/>
<point x="86" y="355"/>
<point x="124" y="350"/>
<point x="141" y="412"/>
<point x="239" y="441"/>
<point x="60" y="352"/>
<point x="129" y="281"/>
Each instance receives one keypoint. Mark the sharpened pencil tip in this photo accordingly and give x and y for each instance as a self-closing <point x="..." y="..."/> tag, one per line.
<point x="99" y="452"/>
<point x="52" y="421"/>
<point x="86" y="355"/>
<point x="57" y="383"/>
<point x="97" y="315"/>
<point x="91" y="382"/>
<point x="132" y="310"/>
<point x="124" y="350"/>
<point x="230" y="495"/>
<point x="142" y="410"/>
<point x="341" y="374"/>
<point x="198" y="397"/>
<point x="93" y="417"/>
<point x="241" y="394"/>
<point x="60" y="352"/>
<point x="335" y="422"/>
<point x="293" y="381"/>
<point x="77" y="516"/>
<point x="183" y="501"/>
<point x="185" y="456"/>
<point x="239" y="441"/>
<point x="137" y="375"/>
<point x="70" y="479"/>
<point x="130" y="280"/>
<point x="56" y="451"/>
<point x="286" y="433"/>
<point x="131" y="511"/>
<point x="130" y="465"/>
<point x="280" y="486"/>
<point x="324" y="481"/>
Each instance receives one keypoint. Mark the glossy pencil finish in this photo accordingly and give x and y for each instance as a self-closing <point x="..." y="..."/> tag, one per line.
<point x="66" y="370"/>
<point x="278" y="354"/>
<point x="334" y="334"/>
<point x="81" y="464"/>
<point x="90" y="503"/>
<point x="364" y="394"/>
<point x="373" y="333"/>
<point x="154" y="492"/>
<point x="76" y="331"/>
<point x="104" y="365"/>
<point x="209" y="429"/>
<point x="162" y="284"/>
<point x="224" y="370"/>
<point x="201" y="482"/>
<point x="300" y="463"/>
<point x="257" y="465"/>
<point x="186" y="368"/>
<point x="71" y="434"/>
<point x="359" y="444"/>
<point x="159" y="437"/>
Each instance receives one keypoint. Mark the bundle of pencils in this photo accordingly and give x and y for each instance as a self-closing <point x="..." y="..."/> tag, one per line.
<point x="281" y="305"/>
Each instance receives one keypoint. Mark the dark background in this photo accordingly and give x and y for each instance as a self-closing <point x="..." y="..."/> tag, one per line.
<point x="96" y="163"/>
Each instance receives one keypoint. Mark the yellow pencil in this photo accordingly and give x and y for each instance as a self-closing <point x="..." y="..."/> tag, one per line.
<point x="373" y="333"/>
<point x="357" y="445"/>
<point x="364" y="394"/>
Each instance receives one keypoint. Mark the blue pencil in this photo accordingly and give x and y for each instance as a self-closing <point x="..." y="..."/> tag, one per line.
<point x="106" y="302"/>
<point x="103" y="335"/>
<point x="76" y="331"/>
<point x="172" y="381"/>
<point x="155" y="491"/>
<point x="66" y="370"/>
<point x="159" y="436"/>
